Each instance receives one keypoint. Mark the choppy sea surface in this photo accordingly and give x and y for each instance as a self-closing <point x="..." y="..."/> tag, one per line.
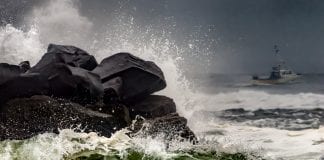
<point x="278" y="132"/>
<point x="283" y="121"/>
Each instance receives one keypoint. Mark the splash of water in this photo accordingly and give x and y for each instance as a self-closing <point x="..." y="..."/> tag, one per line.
<point x="71" y="145"/>
<point x="60" y="22"/>
<point x="17" y="45"/>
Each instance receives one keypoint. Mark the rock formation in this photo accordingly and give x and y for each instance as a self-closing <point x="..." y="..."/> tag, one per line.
<point x="140" y="78"/>
<point x="152" y="106"/>
<point x="26" y="117"/>
<point x="68" y="89"/>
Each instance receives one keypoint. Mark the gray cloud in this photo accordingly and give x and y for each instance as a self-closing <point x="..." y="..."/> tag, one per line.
<point x="13" y="11"/>
<point x="229" y="35"/>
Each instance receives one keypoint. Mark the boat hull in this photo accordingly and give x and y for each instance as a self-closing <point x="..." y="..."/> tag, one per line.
<point x="282" y="80"/>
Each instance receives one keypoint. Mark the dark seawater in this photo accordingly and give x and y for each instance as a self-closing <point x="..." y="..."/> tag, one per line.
<point x="283" y="121"/>
<point x="217" y="83"/>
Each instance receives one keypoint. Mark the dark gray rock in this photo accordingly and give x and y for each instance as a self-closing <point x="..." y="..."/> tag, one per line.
<point x="171" y="126"/>
<point x="69" y="55"/>
<point x="67" y="69"/>
<point x="74" y="83"/>
<point x="69" y="76"/>
<point x="27" y="117"/>
<point x="24" y="66"/>
<point x="89" y="88"/>
<point x="121" y="77"/>
<point x="114" y="108"/>
<point x="139" y="78"/>
<point x="112" y="90"/>
<point x="24" y="85"/>
<point x="8" y="71"/>
<point x="58" y="80"/>
<point x="153" y="106"/>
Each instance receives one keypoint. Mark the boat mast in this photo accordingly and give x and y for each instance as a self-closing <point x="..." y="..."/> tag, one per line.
<point x="280" y="62"/>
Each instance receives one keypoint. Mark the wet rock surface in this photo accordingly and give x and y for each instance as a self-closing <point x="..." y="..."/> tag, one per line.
<point x="140" y="78"/>
<point x="24" y="85"/>
<point x="68" y="89"/>
<point x="8" y="71"/>
<point x="171" y="126"/>
<point x="153" y="106"/>
<point x="68" y="55"/>
<point x="27" y="117"/>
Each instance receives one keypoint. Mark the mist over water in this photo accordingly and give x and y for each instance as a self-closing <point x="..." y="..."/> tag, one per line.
<point x="61" y="22"/>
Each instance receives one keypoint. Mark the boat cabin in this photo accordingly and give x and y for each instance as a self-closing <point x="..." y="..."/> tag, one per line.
<point x="278" y="73"/>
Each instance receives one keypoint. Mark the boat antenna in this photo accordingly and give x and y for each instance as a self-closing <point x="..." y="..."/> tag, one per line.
<point x="279" y="59"/>
<point x="276" y="49"/>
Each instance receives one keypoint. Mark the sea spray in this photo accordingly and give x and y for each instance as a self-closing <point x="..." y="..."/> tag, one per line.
<point x="17" y="45"/>
<point x="71" y="145"/>
<point x="59" y="146"/>
<point x="60" y="22"/>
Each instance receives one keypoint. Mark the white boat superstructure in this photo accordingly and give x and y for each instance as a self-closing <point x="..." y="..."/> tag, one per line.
<point x="278" y="75"/>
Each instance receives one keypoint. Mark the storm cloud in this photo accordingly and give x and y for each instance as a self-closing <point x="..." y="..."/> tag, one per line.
<point x="220" y="36"/>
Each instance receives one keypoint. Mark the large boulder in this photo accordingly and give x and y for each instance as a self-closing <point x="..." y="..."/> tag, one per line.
<point x="58" y="80"/>
<point x="69" y="55"/>
<point x="171" y="126"/>
<point x="139" y="78"/>
<point x="153" y="106"/>
<point x="67" y="69"/>
<point x="24" y="66"/>
<point x="74" y="83"/>
<point x="23" y="85"/>
<point x="89" y="87"/>
<point x="112" y="90"/>
<point x="8" y="71"/>
<point x="27" y="117"/>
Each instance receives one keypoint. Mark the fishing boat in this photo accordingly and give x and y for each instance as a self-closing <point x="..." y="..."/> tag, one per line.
<point x="279" y="74"/>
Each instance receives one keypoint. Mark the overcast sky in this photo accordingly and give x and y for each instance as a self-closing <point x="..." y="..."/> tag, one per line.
<point x="239" y="34"/>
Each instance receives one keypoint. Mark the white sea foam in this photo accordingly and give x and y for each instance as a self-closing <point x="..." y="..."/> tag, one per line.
<point x="70" y="145"/>
<point x="251" y="100"/>
<point x="271" y="142"/>
<point x="55" y="147"/>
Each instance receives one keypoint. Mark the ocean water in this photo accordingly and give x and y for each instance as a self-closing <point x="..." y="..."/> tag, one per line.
<point x="277" y="138"/>
<point x="200" y="98"/>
